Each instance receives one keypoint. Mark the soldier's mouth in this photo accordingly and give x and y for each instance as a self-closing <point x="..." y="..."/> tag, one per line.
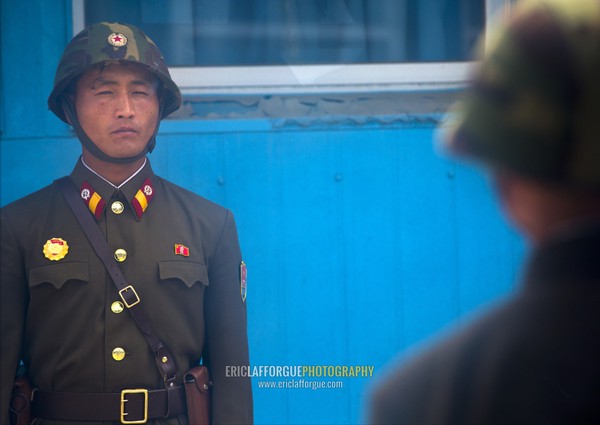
<point x="125" y="131"/>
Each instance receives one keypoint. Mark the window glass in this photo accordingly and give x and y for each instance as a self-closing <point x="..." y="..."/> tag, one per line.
<point x="301" y="32"/>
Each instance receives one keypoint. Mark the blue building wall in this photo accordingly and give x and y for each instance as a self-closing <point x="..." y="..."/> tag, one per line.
<point x="360" y="241"/>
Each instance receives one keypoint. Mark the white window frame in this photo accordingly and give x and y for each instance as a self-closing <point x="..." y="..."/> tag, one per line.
<point x="310" y="79"/>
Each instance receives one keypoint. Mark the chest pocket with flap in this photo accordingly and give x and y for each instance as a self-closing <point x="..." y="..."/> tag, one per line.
<point x="58" y="274"/>
<point x="186" y="271"/>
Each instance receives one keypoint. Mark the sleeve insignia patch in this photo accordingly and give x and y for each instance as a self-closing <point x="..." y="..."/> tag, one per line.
<point x="243" y="281"/>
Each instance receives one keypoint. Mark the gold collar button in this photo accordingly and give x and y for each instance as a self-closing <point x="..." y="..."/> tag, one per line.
<point x="117" y="207"/>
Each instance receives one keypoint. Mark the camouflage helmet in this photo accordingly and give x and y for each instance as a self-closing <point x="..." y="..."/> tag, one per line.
<point x="106" y="42"/>
<point x="534" y="105"/>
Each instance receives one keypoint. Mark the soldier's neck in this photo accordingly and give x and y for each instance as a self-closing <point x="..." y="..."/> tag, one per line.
<point x="116" y="174"/>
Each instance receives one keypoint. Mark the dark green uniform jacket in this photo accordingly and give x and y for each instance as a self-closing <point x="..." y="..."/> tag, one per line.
<point x="62" y="317"/>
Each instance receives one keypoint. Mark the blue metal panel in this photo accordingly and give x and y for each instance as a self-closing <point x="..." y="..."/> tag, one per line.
<point x="34" y="34"/>
<point x="360" y="241"/>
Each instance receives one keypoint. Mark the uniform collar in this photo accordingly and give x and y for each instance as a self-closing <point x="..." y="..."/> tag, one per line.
<point x="96" y="192"/>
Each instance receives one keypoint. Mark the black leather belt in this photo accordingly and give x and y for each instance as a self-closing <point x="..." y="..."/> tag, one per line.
<point x="130" y="406"/>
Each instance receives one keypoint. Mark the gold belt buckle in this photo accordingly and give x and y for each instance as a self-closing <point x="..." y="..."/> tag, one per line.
<point x="124" y="400"/>
<point x="129" y="288"/>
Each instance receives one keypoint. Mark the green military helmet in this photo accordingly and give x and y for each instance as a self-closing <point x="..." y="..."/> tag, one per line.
<point x="534" y="105"/>
<point x="109" y="42"/>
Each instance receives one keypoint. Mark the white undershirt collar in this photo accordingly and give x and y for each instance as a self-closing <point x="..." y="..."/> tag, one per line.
<point x="115" y="186"/>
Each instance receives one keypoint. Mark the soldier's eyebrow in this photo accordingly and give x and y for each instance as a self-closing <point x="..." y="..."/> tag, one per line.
<point x="102" y="81"/>
<point x="142" y="82"/>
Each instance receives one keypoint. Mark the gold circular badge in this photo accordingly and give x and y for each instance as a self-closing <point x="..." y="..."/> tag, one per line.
<point x="117" y="39"/>
<point x="55" y="249"/>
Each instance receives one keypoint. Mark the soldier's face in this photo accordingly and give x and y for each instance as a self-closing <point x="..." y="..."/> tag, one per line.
<point x="118" y="108"/>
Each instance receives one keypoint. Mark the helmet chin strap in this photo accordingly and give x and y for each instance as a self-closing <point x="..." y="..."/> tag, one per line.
<point x="69" y="109"/>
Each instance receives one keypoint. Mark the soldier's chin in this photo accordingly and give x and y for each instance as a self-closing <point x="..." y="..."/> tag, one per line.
<point x="122" y="157"/>
<point x="123" y="149"/>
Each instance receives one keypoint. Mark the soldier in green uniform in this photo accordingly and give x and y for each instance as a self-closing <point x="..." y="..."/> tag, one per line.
<point x="532" y="118"/>
<point x="62" y="319"/>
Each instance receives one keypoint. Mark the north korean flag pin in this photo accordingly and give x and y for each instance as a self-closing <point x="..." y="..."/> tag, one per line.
<point x="243" y="281"/>
<point x="182" y="250"/>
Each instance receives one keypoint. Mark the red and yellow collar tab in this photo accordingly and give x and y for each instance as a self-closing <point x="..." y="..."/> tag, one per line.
<point x="96" y="203"/>
<point x="92" y="199"/>
<point x="142" y="198"/>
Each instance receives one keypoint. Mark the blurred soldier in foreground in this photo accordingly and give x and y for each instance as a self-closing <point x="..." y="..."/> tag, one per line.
<point x="112" y="296"/>
<point x="532" y="117"/>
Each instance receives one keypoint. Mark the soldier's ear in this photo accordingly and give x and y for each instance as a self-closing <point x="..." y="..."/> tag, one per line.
<point x="528" y="204"/>
<point x="65" y="112"/>
<point x="506" y="186"/>
<point x="66" y="115"/>
<point x="68" y="100"/>
<point x="67" y="103"/>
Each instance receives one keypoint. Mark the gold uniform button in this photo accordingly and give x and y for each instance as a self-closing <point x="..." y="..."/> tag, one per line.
<point x="117" y="207"/>
<point x="118" y="354"/>
<point x="117" y="307"/>
<point x="120" y="255"/>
